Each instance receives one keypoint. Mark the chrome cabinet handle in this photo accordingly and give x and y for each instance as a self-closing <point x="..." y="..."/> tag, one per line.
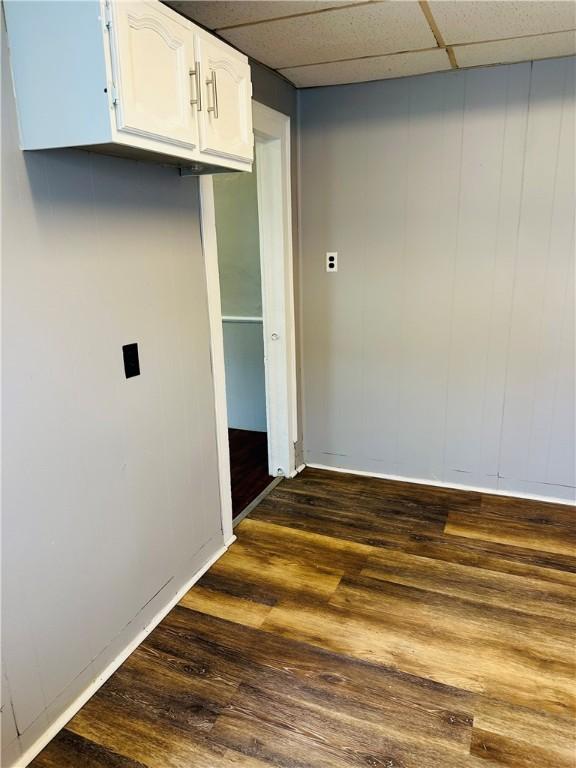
<point x="212" y="81"/>
<point x="195" y="73"/>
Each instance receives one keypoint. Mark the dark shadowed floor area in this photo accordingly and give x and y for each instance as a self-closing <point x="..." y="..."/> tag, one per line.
<point x="248" y="466"/>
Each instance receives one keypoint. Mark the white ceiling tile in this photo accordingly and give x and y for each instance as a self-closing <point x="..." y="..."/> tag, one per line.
<point x="364" y="30"/>
<point x="374" y="68"/>
<point x="468" y="21"/>
<point x="521" y="49"/>
<point x="221" y="13"/>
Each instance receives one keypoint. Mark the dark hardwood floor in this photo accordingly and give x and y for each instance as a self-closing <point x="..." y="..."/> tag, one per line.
<point x="355" y="623"/>
<point x="248" y="466"/>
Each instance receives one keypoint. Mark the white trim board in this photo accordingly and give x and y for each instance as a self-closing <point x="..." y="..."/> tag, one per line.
<point x="42" y="741"/>
<point x="440" y="484"/>
<point x="273" y="181"/>
<point x="210" y="249"/>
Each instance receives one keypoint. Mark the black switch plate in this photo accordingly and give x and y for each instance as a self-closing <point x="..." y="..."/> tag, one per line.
<point x="131" y="361"/>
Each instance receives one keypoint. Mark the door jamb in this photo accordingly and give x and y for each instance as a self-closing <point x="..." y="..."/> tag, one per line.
<point x="272" y="134"/>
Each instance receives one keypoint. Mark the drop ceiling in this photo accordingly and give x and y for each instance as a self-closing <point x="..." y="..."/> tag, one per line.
<point x="331" y="43"/>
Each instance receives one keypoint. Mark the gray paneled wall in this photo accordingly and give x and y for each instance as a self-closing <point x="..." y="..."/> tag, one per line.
<point x="273" y="90"/>
<point x="443" y="348"/>
<point x="110" y="493"/>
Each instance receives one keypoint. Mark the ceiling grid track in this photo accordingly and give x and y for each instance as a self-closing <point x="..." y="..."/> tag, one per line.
<point x="427" y="11"/>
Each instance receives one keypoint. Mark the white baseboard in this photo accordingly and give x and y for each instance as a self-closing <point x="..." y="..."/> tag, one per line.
<point x="42" y="741"/>
<point x="440" y="484"/>
<point x="298" y="470"/>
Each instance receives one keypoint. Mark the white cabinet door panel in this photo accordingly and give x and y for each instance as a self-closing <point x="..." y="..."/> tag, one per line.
<point x="226" y="116"/>
<point x="153" y="55"/>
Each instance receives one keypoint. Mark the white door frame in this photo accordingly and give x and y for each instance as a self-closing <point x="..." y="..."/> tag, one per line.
<point x="272" y="133"/>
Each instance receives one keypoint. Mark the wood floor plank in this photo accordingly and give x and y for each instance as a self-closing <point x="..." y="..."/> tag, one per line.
<point x="149" y="670"/>
<point x="217" y="603"/>
<point x="476" y="584"/>
<point x="498" y="723"/>
<point x="447" y="639"/>
<point x="498" y="750"/>
<point x="286" y="731"/>
<point x="68" y="750"/>
<point x="360" y="509"/>
<point x="140" y="736"/>
<point x="229" y="584"/>
<point x="514" y="656"/>
<point x="491" y="556"/>
<point x="518" y="522"/>
<point x="279" y="575"/>
<point x="359" y="494"/>
<point x="303" y="546"/>
<point x="156" y="709"/>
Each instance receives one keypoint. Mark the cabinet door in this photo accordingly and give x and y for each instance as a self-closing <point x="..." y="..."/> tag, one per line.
<point x="226" y="114"/>
<point x="154" y="72"/>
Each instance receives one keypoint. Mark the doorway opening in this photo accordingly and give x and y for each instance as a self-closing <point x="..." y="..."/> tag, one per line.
<point x="247" y="237"/>
<point x="238" y="243"/>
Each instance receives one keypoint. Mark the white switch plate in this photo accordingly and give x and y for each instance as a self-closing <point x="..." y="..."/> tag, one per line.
<point x="331" y="261"/>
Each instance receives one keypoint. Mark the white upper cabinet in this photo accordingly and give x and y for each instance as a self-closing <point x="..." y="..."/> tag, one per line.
<point x="129" y="77"/>
<point x="226" y="116"/>
<point x="152" y="61"/>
